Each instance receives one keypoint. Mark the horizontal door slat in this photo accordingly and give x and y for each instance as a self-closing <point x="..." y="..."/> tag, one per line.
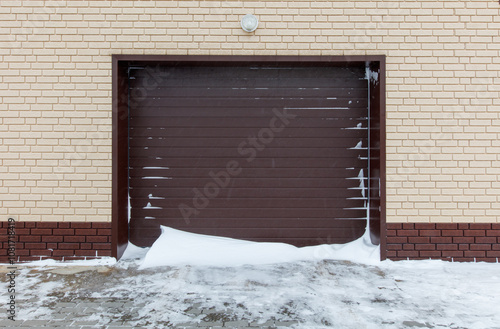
<point x="236" y="182"/>
<point x="242" y="111"/>
<point x="216" y="142"/>
<point x="337" y="153"/>
<point x="337" y="92"/>
<point x="262" y="222"/>
<point x="145" y="238"/>
<point x="333" y="103"/>
<point x="321" y="234"/>
<point x="246" y="132"/>
<point x="327" y="122"/>
<point x="241" y="71"/>
<point x="256" y="163"/>
<point x="246" y="172"/>
<point x="247" y="82"/>
<point x="285" y="213"/>
<point x="182" y="192"/>
<point x="173" y="203"/>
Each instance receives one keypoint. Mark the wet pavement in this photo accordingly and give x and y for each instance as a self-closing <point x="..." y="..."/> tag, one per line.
<point x="324" y="294"/>
<point x="72" y="305"/>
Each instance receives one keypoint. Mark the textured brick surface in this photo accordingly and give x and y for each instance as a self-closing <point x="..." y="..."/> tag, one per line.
<point x="468" y="243"/>
<point x="43" y="243"/>
<point x="443" y="100"/>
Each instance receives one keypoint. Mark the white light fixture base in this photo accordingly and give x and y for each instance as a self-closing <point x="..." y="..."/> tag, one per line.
<point x="249" y="23"/>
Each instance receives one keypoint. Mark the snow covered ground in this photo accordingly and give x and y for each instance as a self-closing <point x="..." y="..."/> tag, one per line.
<point x="317" y="293"/>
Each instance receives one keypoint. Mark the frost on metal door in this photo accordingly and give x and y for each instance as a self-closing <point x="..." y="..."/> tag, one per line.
<point x="264" y="152"/>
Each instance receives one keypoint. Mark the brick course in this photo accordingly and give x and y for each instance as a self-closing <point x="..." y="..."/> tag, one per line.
<point x="469" y="244"/>
<point x="71" y="244"/>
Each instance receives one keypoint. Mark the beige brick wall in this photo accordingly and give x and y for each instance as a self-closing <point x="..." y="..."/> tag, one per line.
<point x="443" y="92"/>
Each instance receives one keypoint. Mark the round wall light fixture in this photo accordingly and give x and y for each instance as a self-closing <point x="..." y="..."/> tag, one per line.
<point x="249" y="23"/>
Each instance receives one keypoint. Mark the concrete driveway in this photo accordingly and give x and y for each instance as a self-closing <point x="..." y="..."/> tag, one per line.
<point x="323" y="294"/>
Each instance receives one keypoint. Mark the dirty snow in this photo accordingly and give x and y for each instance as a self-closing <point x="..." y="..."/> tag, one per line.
<point x="316" y="293"/>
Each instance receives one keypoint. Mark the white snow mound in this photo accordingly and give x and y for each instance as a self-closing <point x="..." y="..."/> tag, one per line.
<point x="134" y="252"/>
<point x="175" y="248"/>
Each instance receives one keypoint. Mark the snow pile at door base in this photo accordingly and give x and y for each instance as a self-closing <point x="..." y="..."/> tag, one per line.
<point x="175" y="247"/>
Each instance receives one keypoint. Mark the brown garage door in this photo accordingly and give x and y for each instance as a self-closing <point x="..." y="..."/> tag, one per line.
<point x="264" y="152"/>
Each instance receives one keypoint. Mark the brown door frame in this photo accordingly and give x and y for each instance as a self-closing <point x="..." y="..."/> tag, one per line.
<point x="120" y="64"/>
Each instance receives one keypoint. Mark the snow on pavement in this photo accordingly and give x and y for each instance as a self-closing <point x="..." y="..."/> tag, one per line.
<point x="318" y="293"/>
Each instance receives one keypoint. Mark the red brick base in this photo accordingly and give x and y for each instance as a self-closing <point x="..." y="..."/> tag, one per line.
<point x="57" y="240"/>
<point x="77" y="240"/>
<point x="455" y="242"/>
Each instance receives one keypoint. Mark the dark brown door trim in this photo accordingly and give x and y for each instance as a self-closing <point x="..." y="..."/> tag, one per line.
<point x="120" y="66"/>
<point x="377" y="166"/>
<point x="119" y="234"/>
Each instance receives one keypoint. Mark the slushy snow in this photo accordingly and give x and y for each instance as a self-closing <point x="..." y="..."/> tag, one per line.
<point x="309" y="288"/>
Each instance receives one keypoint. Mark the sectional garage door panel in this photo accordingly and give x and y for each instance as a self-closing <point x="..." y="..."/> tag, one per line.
<point x="294" y="137"/>
<point x="295" y="233"/>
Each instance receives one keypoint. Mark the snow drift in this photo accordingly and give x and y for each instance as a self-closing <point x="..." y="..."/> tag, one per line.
<point x="175" y="247"/>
